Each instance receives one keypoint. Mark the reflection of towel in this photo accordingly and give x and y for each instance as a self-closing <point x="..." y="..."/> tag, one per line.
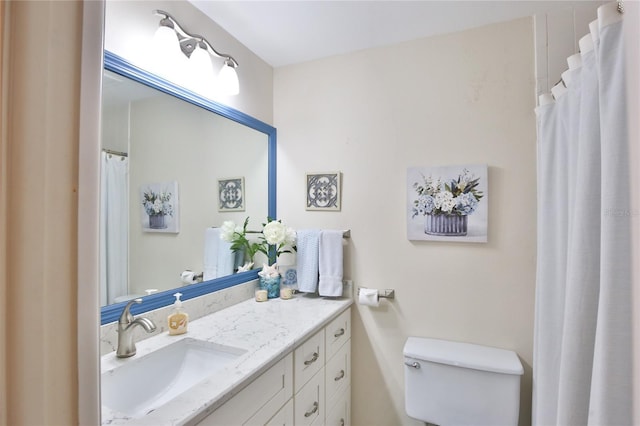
<point x="211" y="246"/>
<point x="330" y="263"/>
<point x="226" y="259"/>
<point x="307" y="259"/>
<point x="218" y="258"/>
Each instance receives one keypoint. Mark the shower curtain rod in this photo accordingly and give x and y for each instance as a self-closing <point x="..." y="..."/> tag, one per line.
<point x="109" y="151"/>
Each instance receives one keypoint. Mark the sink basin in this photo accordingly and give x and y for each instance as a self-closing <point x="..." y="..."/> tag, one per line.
<point x="143" y="384"/>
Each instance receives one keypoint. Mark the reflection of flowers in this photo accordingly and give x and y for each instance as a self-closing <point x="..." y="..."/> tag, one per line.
<point x="237" y="236"/>
<point x="157" y="203"/>
<point x="274" y="233"/>
<point x="458" y="197"/>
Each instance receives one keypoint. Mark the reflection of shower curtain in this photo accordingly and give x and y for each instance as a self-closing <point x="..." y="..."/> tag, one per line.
<point x="114" y="227"/>
<point x="582" y="339"/>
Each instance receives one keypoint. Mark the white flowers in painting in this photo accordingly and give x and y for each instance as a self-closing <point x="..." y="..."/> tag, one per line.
<point x="456" y="197"/>
<point x="444" y="201"/>
<point x="157" y="203"/>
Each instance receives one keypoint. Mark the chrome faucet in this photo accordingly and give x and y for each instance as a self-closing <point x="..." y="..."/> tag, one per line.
<point x="126" y="324"/>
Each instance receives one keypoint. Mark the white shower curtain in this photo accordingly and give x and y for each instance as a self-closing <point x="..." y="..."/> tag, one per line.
<point x="114" y="227"/>
<point x="582" y="339"/>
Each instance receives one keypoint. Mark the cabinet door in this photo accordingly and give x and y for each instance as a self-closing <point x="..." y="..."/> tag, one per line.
<point x="337" y="332"/>
<point x="308" y="359"/>
<point x="308" y="405"/>
<point x="338" y="373"/>
<point x="259" y="400"/>
<point x="339" y="414"/>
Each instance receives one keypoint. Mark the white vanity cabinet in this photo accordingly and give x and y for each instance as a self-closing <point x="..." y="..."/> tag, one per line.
<point x="338" y="370"/>
<point x="311" y="386"/>
<point x="323" y="382"/>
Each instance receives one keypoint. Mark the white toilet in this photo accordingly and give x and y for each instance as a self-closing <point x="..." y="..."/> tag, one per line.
<point x="451" y="383"/>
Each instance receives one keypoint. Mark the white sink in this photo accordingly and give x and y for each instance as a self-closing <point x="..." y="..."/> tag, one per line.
<point x="143" y="384"/>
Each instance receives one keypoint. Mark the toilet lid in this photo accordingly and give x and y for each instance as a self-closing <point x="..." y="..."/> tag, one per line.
<point x="464" y="355"/>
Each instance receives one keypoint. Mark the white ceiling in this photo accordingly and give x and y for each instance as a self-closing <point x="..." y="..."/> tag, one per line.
<point x="289" y="32"/>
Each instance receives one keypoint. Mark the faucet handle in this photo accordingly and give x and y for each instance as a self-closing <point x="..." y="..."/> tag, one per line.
<point x="126" y="316"/>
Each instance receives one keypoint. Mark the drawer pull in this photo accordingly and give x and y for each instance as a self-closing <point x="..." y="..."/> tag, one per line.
<point x="313" y="359"/>
<point x="339" y="333"/>
<point x="339" y="376"/>
<point x="310" y="413"/>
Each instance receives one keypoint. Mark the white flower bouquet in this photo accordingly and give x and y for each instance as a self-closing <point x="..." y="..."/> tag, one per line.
<point x="157" y="203"/>
<point x="458" y="197"/>
<point x="274" y="234"/>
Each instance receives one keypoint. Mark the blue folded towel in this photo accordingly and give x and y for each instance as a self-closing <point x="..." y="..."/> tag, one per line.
<point x="307" y="244"/>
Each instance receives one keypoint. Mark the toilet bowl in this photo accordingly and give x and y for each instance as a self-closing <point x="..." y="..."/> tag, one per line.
<point x="453" y="383"/>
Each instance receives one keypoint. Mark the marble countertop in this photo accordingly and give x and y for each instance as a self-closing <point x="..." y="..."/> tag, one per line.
<point x="267" y="331"/>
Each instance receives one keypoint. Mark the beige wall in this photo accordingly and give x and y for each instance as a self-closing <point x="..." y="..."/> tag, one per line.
<point x="41" y="148"/>
<point x="462" y="98"/>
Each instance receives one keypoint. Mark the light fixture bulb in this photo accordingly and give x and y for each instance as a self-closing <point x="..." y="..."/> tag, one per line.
<point x="167" y="60"/>
<point x="201" y="69"/>
<point x="228" y="79"/>
<point x="165" y="39"/>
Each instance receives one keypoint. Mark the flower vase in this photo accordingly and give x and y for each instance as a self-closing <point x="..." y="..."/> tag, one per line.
<point x="272" y="285"/>
<point x="449" y="225"/>
<point x="156" y="221"/>
<point x="238" y="259"/>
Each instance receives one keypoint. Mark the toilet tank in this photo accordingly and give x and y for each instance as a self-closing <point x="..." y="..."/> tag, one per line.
<point x="453" y="383"/>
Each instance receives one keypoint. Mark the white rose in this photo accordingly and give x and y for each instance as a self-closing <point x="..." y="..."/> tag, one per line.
<point x="228" y="228"/>
<point x="291" y="235"/>
<point x="274" y="232"/>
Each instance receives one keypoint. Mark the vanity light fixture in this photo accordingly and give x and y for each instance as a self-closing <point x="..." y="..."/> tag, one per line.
<point x="195" y="48"/>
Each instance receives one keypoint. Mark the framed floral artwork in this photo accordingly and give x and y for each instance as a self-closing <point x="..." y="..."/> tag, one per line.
<point x="447" y="203"/>
<point x="323" y="191"/>
<point x="231" y="194"/>
<point x="160" y="207"/>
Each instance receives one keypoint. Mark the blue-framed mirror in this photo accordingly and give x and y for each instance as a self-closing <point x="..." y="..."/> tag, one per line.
<point x="163" y="247"/>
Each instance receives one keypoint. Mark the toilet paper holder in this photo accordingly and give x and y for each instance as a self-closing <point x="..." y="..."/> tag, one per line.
<point x="388" y="293"/>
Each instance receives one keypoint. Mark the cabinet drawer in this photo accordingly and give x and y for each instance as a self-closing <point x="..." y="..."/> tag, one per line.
<point x="338" y="373"/>
<point x="339" y="414"/>
<point x="260" y="400"/>
<point x="284" y="417"/>
<point x="308" y="406"/>
<point x="337" y="332"/>
<point x="308" y="359"/>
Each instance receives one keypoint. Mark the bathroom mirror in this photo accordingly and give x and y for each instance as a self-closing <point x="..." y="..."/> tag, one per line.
<point x="161" y="137"/>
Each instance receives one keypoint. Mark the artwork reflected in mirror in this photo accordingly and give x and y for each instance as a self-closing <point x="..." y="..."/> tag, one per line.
<point x="155" y="144"/>
<point x="231" y="194"/>
<point x="160" y="207"/>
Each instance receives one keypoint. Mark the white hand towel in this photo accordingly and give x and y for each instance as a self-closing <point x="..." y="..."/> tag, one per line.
<point x="226" y="258"/>
<point x="307" y="259"/>
<point x="330" y="263"/>
<point x="211" y="247"/>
